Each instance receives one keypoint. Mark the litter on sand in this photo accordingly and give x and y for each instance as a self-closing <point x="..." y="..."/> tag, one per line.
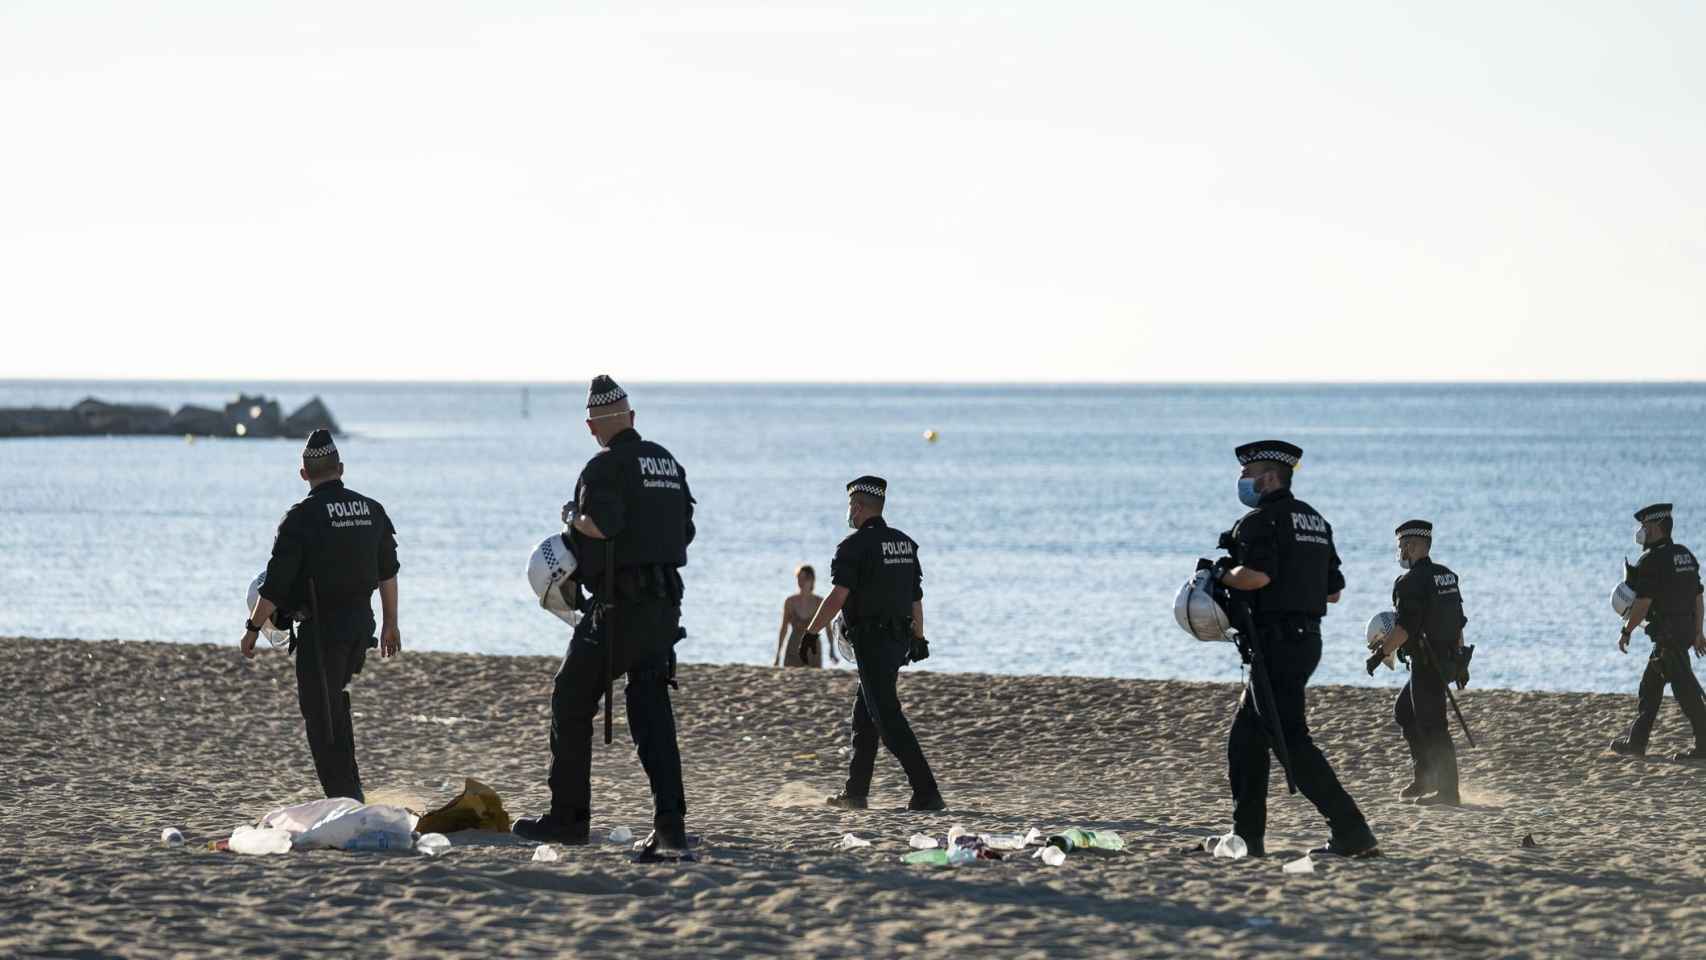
<point x="478" y="807"/>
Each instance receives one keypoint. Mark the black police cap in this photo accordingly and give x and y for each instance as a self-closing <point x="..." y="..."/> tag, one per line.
<point x="319" y="445"/>
<point x="875" y="486"/>
<point x="1657" y="511"/>
<point x="604" y="392"/>
<point x="1278" y="450"/>
<point x="1414" y="528"/>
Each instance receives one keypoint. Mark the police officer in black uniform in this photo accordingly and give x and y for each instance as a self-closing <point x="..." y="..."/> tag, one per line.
<point x="1666" y="581"/>
<point x="879" y="584"/>
<point x="1284" y="566"/>
<point x="333" y="549"/>
<point x="1429" y="635"/>
<point x="632" y="504"/>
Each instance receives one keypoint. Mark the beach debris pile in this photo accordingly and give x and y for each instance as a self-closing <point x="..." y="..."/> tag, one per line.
<point x="962" y="847"/>
<point x="342" y="823"/>
<point x="339" y="823"/>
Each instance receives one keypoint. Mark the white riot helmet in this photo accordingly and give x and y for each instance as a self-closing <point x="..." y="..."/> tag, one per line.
<point x="843" y="645"/>
<point x="1380" y="626"/>
<point x="1198" y="613"/>
<point x="551" y="565"/>
<point x="274" y="635"/>
<point x="1622" y="599"/>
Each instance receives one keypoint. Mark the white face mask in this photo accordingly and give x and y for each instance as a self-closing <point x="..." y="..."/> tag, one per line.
<point x="1403" y="561"/>
<point x="850" y="521"/>
<point x="1640" y="536"/>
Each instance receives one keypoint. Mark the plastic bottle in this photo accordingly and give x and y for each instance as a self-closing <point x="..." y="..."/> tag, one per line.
<point x="850" y="842"/>
<point x="1104" y="840"/>
<point x="1303" y="865"/>
<point x="432" y="844"/>
<point x="1069" y="840"/>
<point x="255" y="841"/>
<point x="962" y="853"/>
<point x="934" y="857"/>
<point x="1005" y="841"/>
<point x="1051" y="855"/>
<point x="919" y="841"/>
<point x="171" y="837"/>
<point x="1231" y="847"/>
<point x="378" y="840"/>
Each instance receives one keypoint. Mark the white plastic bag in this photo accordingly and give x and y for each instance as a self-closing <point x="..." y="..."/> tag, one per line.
<point x="339" y="830"/>
<point x="303" y="816"/>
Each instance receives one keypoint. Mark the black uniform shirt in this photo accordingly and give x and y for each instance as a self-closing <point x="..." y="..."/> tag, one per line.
<point x="879" y="566"/>
<point x="1287" y="540"/>
<point x="339" y="538"/>
<point x="637" y="494"/>
<point x="1429" y="605"/>
<point x="1668" y="575"/>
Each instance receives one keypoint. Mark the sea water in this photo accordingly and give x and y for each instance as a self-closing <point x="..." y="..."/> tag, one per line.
<point x="1056" y="522"/>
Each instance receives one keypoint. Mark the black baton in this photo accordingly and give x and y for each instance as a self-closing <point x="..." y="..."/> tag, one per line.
<point x="1439" y="668"/>
<point x="609" y="612"/>
<point x="320" y="659"/>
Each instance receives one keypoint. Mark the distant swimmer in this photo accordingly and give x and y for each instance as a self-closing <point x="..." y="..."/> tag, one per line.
<point x="1428" y="602"/>
<point x="795" y="647"/>
<point x="333" y="549"/>
<point x="1283" y="565"/>
<point x="630" y="525"/>
<point x="1663" y="590"/>
<point x="879" y="584"/>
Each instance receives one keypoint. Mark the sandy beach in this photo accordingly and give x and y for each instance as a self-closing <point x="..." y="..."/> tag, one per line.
<point x="109" y="742"/>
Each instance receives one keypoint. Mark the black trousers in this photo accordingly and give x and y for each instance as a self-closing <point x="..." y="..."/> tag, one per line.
<point x="328" y="655"/>
<point x="645" y="636"/>
<point x="1293" y="652"/>
<point x="877" y="714"/>
<point x="1420" y="712"/>
<point x="1668" y="664"/>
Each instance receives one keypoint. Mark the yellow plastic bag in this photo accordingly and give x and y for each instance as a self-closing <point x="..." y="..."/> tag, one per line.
<point x="478" y="808"/>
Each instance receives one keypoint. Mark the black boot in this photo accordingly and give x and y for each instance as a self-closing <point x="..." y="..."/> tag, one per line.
<point x="553" y="829"/>
<point x="667" y="842"/>
<point x="1414" y="789"/>
<point x="1623" y="746"/>
<point x="1358" y="844"/>
<point x="1698" y="753"/>
<point x="1442" y="772"/>
<point x="847" y="801"/>
<point x="932" y="802"/>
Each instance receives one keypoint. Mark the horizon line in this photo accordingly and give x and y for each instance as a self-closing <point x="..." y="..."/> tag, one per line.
<point x="1664" y="381"/>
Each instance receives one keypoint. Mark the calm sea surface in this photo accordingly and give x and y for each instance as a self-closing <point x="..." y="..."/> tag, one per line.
<point x="1056" y="523"/>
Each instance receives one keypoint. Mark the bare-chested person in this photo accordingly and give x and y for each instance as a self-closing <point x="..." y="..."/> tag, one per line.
<point x="794" y="646"/>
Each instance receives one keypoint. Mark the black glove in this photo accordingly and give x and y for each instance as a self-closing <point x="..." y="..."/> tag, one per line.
<point x="920" y="650"/>
<point x="1464" y="655"/>
<point x="1221" y="567"/>
<point x="1374" y="661"/>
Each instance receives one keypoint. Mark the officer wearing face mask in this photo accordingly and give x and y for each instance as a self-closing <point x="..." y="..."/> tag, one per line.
<point x="1284" y="566"/>
<point x="1666" y="584"/>
<point x="629" y="527"/>
<point x="1429" y="635"/>
<point x="879" y="585"/>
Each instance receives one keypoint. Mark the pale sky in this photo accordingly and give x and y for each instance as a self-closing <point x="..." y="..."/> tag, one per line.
<point x="1051" y="191"/>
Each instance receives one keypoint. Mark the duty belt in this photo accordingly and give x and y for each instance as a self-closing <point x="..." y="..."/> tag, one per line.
<point x="651" y="582"/>
<point x="879" y="623"/>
